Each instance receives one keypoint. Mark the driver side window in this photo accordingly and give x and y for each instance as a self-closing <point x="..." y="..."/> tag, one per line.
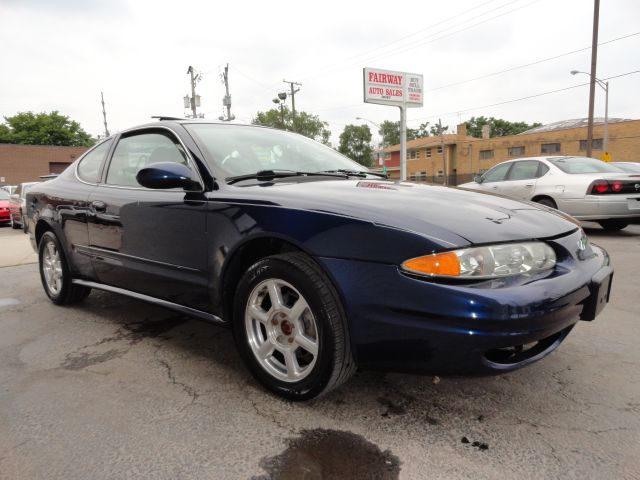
<point x="138" y="151"/>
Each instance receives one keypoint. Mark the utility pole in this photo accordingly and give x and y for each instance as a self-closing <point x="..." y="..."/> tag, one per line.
<point x="444" y="157"/>
<point x="194" y="101"/>
<point x="592" y="83"/>
<point x="226" y="101"/>
<point x="293" y="101"/>
<point x="104" y="116"/>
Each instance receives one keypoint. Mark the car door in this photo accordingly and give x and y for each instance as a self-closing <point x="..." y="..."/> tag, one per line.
<point x="493" y="179"/>
<point x="149" y="241"/>
<point x="521" y="180"/>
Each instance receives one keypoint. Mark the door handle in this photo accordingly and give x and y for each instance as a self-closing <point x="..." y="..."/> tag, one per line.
<point x="99" y="206"/>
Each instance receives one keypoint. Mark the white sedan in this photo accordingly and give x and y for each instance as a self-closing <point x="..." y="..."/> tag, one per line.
<point x="586" y="188"/>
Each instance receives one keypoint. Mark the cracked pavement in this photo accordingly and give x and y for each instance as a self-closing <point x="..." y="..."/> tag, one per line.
<point x="116" y="388"/>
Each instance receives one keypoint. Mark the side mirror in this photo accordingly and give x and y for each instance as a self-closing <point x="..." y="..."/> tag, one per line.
<point x="164" y="175"/>
<point x="478" y="179"/>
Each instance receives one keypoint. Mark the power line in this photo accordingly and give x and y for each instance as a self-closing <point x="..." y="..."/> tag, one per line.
<point x="493" y="74"/>
<point x="385" y="45"/>
<point x="537" y="62"/>
<point x="518" y="99"/>
<point x="429" y="38"/>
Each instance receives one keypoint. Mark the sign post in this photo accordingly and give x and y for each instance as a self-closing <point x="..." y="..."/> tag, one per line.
<point x="397" y="89"/>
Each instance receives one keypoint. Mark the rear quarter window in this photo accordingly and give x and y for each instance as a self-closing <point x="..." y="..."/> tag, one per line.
<point x="89" y="166"/>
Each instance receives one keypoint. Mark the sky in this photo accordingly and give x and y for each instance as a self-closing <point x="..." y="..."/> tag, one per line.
<point x="60" y="54"/>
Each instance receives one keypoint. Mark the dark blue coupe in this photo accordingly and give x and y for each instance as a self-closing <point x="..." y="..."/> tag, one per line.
<point x="318" y="265"/>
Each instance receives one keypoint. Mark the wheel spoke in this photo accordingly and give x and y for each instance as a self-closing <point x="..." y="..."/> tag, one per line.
<point x="258" y="314"/>
<point x="293" y="369"/>
<point x="275" y="295"/>
<point x="297" y="310"/>
<point x="306" y="343"/>
<point x="265" y="350"/>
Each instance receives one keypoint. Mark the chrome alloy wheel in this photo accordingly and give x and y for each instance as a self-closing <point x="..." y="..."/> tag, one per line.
<point x="52" y="268"/>
<point x="281" y="330"/>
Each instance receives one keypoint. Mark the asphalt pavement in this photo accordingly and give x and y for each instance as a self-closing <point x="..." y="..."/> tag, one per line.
<point x="116" y="388"/>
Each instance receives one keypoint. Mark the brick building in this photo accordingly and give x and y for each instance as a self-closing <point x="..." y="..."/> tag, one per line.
<point x="466" y="156"/>
<point x="26" y="163"/>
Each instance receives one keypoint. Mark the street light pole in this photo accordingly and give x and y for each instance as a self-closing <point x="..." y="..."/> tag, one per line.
<point x="384" y="162"/>
<point x="605" y="87"/>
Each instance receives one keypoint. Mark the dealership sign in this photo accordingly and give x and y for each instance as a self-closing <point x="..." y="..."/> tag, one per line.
<point x="386" y="87"/>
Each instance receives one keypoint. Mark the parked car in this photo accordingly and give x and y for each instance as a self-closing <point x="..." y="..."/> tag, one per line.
<point x="5" y="214"/>
<point x="17" y="205"/>
<point x="316" y="264"/>
<point x="586" y="188"/>
<point x="630" y="167"/>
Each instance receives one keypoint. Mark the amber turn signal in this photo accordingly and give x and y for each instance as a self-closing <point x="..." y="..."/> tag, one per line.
<point x="446" y="263"/>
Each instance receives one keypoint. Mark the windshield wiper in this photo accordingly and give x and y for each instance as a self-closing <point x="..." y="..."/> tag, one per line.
<point x="357" y="173"/>
<point x="271" y="174"/>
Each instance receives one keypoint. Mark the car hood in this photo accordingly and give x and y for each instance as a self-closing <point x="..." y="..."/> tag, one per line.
<point x="454" y="216"/>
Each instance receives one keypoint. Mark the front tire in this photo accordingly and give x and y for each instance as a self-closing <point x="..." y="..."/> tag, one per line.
<point x="290" y="327"/>
<point x="55" y="273"/>
<point x="613" y="225"/>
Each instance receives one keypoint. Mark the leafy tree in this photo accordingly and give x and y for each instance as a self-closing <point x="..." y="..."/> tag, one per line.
<point x="434" y="131"/>
<point x="423" y="130"/>
<point x="390" y="133"/>
<point x="30" y="128"/>
<point x="305" y="124"/>
<point x="355" y="143"/>
<point x="499" y="127"/>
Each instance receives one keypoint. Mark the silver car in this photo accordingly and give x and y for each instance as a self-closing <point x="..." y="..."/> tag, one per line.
<point x="586" y="188"/>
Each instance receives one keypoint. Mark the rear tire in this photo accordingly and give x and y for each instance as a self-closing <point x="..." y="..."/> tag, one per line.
<point x="547" y="202"/>
<point x="290" y="327"/>
<point x="613" y="225"/>
<point x="55" y="273"/>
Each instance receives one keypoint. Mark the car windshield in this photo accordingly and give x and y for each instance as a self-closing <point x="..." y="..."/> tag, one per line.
<point x="583" y="165"/>
<point x="243" y="150"/>
<point x="4" y="195"/>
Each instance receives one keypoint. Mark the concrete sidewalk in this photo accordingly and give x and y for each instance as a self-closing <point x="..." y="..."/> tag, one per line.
<point x="15" y="248"/>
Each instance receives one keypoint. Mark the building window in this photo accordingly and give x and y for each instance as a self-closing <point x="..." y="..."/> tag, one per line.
<point x="428" y="152"/>
<point x="486" y="154"/>
<point x="440" y="174"/>
<point x="412" y="177"/>
<point x="516" y="151"/>
<point x="440" y="149"/>
<point x="387" y="156"/>
<point x="596" y="144"/>
<point x="550" y="148"/>
<point x="413" y="154"/>
<point x="423" y="176"/>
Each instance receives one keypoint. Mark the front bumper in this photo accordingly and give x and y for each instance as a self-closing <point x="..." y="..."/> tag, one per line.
<point x="409" y="324"/>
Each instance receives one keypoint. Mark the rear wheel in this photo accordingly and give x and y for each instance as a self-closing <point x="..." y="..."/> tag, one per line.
<point x="290" y="327"/>
<point x="547" y="202"/>
<point x="55" y="273"/>
<point x="613" y="225"/>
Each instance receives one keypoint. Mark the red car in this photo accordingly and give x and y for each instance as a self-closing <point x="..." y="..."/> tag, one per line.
<point x="5" y="216"/>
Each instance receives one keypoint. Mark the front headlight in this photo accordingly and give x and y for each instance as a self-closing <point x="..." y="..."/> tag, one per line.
<point x="490" y="261"/>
